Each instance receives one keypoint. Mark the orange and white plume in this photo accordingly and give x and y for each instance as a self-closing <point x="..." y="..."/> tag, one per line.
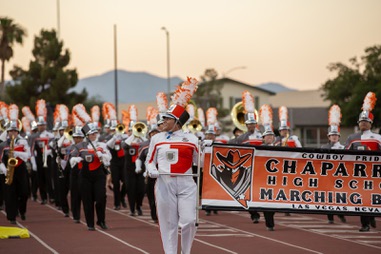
<point x="211" y="116"/>
<point x="25" y="124"/>
<point x="4" y="110"/>
<point x="56" y="114"/>
<point x="13" y="112"/>
<point x="191" y="111"/>
<point x="201" y="116"/>
<point x="64" y="112"/>
<point x="266" y="115"/>
<point x="162" y="102"/>
<point x="80" y="111"/>
<point x="95" y="113"/>
<point x="110" y="110"/>
<point x="248" y="102"/>
<point x="28" y="113"/>
<point x="283" y="113"/>
<point x="126" y="119"/>
<point x="184" y="93"/>
<point x="76" y="120"/>
<point x="133" y="113"/>
<point x="148" y="113"/>
<point x="369" y="101"/>
<point x="334" y="115"/>
<point x="41" y="108"/>
<point x="153" y="119"/>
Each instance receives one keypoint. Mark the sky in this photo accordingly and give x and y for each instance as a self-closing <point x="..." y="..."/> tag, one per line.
<point x="253" y="41"/>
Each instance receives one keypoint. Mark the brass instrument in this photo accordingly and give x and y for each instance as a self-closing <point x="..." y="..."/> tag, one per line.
<point x="238" y="116"/>
<point x="139" y="130"/>
<point x="12" y="162"/>
<point x="194" y="126"/>
<point x="58" y="152"/>
<point x="68" y="133"/>
<point x="120" y="128"/>
<point x="284" y="143"/>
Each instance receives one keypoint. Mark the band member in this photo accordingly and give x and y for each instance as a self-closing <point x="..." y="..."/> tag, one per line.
<point x="117" y="166"/>
<point x="237" y="132"/>
<point x="92" y="158"/>
<point x="135" y="182"/>
<point x="266" y="116"/>
<point x="365" y="140"/>
<point x="141" y="168"/>
<point x="43" y="154"/>
<point x="286" y="139"/>
<point x="14" y="153"/>
<point x="334" y="118"/>
<point x="174" y="152"/>
<point x="251" y="137"/>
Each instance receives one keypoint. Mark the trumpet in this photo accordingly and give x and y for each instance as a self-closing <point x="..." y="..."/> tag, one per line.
<point x="45" y="156"/>
<point x="68" y="133"/>
<point x="120" y="128"/>
<point x="139" y="130"/>
<point x="194" y="126"/>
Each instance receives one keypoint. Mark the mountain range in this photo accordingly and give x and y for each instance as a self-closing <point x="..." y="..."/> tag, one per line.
<point x="138" y="86"/>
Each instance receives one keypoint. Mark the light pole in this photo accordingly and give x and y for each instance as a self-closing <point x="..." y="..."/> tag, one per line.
<point x="58" y="19"/>
<point x="233" y="69"/>
<point x="168" y="66"/>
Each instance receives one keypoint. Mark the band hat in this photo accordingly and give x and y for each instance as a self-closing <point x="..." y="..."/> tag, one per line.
<point x="89" y="128"/>
<point x="33" y="125"/>
<point x="366" y="116"/>
<point x="333" y="130"/>
<point x="56" y="126"/>
<point x="113" y="124"/>
<point x="178" y="113"/>
<point x="211" y="129"/>
<point x="77" y="132"/>
<point x="13" y="125"/>
<point x="284" y="125"/>
<point x="64" y="124"/>
<point x="250" y="118"/>
<point x="41" y="121"/>
<point x="268" y="131"/>
<point x="368" y="105"/>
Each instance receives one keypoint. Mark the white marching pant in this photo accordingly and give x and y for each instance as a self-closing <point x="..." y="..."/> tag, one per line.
<point x="176" y="207"/>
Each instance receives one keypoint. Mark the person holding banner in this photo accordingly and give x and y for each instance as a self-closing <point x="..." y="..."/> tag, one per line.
<point x="170" y="158"/>
<point x="334" y="119"/>
<point x="365" y="140"/>
<point x="252" y="136"/>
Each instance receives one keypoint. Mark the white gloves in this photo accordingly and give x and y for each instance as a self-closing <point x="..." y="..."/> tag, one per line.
<point x="138" y="168"/>
<point x="75" y="160"/>
<point x="21" y="155"/>
<point x="3" y="169"/>
<point x="100" y="155"/>
<point x="153" y="173"/>
<point x="33" y="162"/>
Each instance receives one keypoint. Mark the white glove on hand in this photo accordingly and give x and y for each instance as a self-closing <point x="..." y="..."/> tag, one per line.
<point x="138" y="164"/>
<point x="3" y="169"/>
<point x="153" y="173"/>
<point x="48" y="152"/>
<point x="145" y="174"/>
<point x="57" y="160"/>
<point x="100" y="155"/>
<point x="75" y="160"/>
<point x="33" y="162"/>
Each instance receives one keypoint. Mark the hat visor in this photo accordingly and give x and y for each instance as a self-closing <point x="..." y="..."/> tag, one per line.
<point x="168" y="115"/>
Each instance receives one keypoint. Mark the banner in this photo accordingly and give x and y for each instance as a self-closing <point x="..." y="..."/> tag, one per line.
<point x="237" y="177"/>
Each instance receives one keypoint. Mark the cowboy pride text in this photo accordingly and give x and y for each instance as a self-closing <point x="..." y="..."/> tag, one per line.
<point x="318" y="181"/>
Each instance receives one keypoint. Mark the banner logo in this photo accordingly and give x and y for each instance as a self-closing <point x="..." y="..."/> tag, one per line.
<point x="232" y="169"/>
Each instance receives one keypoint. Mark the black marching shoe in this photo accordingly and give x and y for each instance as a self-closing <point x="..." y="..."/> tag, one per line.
<point x="22" y="216"/>
<point x="123" y="204"/>
<point x="140" y="212"/>
<point x="364" y="229"/>
<point x="102" y="225"/>
<point x="44" y="202"/>
<point x="117" y="207"/>
<point x="13" y="222"/>
<point x="91" y="228"/>
<point x="76" y="221"/>
<point x="330" y="222"/>
<point x="270" y="228"/>
<point x="342" y="219"/>
<point x="255" y="220"/>
<point x="207" y="213"/>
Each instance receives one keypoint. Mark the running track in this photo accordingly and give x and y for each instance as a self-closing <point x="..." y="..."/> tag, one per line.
<point x="227" y="232"/>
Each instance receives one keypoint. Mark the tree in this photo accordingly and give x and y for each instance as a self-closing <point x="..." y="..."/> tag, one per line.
<point x="10" y="33"/>
<point x="47" y="77"/>
<point x="352" y="83"/>
<point x="208" y="93"/>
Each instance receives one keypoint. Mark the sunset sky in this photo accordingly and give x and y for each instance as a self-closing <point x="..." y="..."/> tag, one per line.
<point x="287" y="41"/>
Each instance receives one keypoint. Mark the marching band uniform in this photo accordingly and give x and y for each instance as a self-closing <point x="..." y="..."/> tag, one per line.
<point x="33" y="173"/>
<point x="173" y="151"/>
<point x="365" y="140"/>
<point x="135" y="181"/>
<point x="118" y="171"/>
<point x="285" y="139"/>
<point x="16" y="193"/>
<point x="334" y="118"/>
<point x="92" y="176"/>
<point x="41" y="149"/>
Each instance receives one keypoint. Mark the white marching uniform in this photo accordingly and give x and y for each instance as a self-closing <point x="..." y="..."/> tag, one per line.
<point x="175" y="195"/>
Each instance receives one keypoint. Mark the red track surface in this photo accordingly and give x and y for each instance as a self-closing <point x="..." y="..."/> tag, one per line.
<point x="227" y="232"/>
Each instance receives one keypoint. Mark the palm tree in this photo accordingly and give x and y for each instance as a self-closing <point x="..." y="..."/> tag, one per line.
<point x="10" y="33"/>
